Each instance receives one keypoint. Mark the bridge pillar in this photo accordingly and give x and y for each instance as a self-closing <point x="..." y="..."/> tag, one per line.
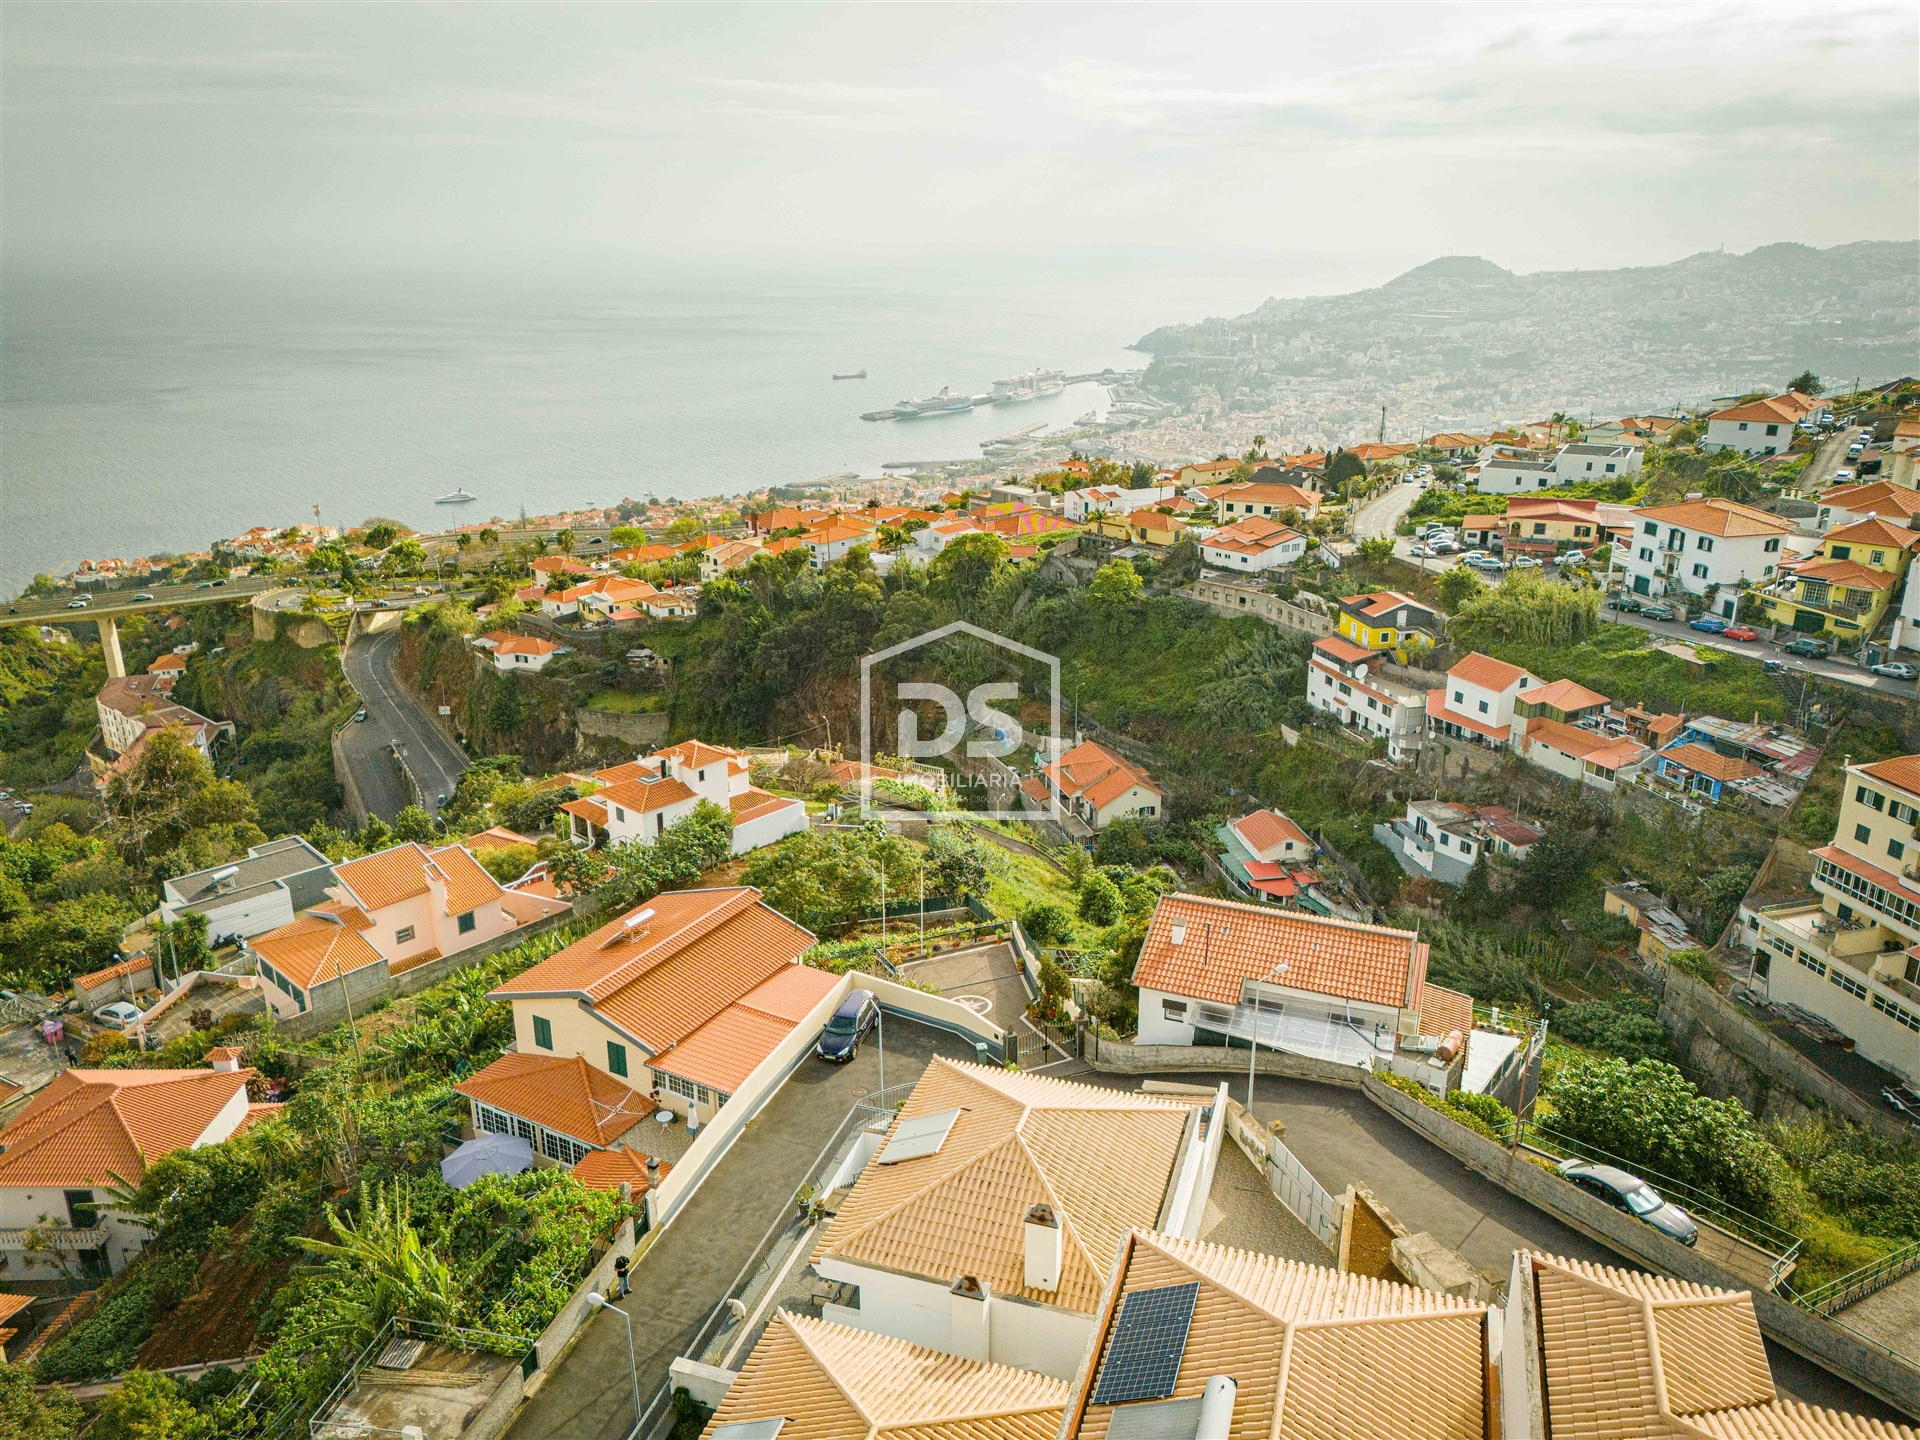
<point x="110" y="642"/>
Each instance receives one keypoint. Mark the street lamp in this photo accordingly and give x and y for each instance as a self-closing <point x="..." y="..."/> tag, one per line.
<point x="1253" y="1037"/>
<point x="597" y="1301"/>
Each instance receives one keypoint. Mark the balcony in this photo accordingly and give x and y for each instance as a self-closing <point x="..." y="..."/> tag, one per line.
<point x="55" y="1237"/>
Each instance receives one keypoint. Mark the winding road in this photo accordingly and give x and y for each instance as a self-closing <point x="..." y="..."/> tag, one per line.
<point x="393" y="714"/>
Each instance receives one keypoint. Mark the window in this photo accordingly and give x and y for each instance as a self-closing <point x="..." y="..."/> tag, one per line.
<point x="1466" y="847"/>
<point x="82" y="1212"/>
<point x="1870" y="797"/>
<point x="404" y="935"/>
<point x="1898" y="1013"/>
<point x="1847" y="983"/>
<point x="1743" y="424"/>
<point x="1843" y="552"/>
<point x="1646" y="555"/>
<point x="1175" y="1010"/>
<point x="619" y="814"/>
<point x="616" y="1058"/>
<point x="1703" y="542"/>
<point x="1650" y="528"/>
<point x="1459" y="697"/>
<point x="1863" y="834"/>
<point x="562" y="1149"/>
<point x="1609" y="467"/>
<point x="542" y="1033"/>
<point x="686" y="1089"/>
<point x="1699" y="572"/>
<point x="465" y="923"/>
<point x="1773" y="429"/>
<point x="1905" y="814"/>
<point x="1483" y="707"/>
<point x="1773" y="546"/>
<point x="1344" y="688"/>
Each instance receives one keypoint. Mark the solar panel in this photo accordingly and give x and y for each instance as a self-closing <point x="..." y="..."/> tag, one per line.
<point x="750" y="1430"/>
<point x="1143" y="1357"/>
<point x="1166" y="1420"/>
<point x="922" y="1135"/>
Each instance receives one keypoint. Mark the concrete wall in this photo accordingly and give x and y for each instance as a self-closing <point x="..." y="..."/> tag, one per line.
<point x="1229" y="597"/>
<point x="718" y="1134"/>
<point x="1121" y="1057"/>
<point x="648" y="727"/>
<point x="1851" y="1357"/>
<point x="937" y="1010"/>
<point x="1046" y="1338"/>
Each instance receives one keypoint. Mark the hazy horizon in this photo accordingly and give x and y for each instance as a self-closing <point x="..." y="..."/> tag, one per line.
<point x="1350" y="143"/>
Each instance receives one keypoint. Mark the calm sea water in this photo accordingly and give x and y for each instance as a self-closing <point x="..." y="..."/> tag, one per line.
<point x="157" y="412"/>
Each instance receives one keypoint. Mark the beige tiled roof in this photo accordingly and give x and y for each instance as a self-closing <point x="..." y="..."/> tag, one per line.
<point x="88" y="1126"/>
<point x="1317" y="1354"/>
<point x="1224" y="942"/>
<point x="1102" y="1158"/>
<point x="829" y="1382"/>
<point x="563" y="1093"/>
<point x="1629" y="1356"/>
<point x="701" y="951"/>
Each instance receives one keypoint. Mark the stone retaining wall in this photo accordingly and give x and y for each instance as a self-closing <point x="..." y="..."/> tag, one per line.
<point x="1122" y="1057"/>
<point x="641" y="728"/>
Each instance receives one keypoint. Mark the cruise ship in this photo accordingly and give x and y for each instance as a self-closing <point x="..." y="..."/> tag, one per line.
<point x="945" y="403"/>
<point x="1028" y="385"/>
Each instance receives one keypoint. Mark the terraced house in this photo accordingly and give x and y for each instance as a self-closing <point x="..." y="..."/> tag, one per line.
<point x="1707" y="548"/>
<point x="1852" y="956"/>
<point x="1846" y="586"/>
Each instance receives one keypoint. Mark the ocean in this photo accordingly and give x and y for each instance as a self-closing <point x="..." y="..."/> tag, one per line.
<point x="156" y="412"/>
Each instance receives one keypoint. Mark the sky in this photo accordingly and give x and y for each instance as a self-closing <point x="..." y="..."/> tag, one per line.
<point x="1368" y="136"/>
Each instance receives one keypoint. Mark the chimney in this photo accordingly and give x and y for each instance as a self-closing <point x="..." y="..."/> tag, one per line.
<point x="971" y="1301"/>
<point x="1043" y="1248"/>
<point x="1216" y="1408"/>
<point x="225" y="1059"/>
<point x="653" y="1172"/>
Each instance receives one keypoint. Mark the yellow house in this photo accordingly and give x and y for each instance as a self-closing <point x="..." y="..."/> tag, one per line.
<point x="1156" y="527"/>
<point x="1109" y="526"/>
<point x="1848" y="586"/>
<point x="1387" y="619"/>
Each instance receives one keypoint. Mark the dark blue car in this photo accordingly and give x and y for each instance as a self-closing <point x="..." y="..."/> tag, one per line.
<point x="857" y="1014"/>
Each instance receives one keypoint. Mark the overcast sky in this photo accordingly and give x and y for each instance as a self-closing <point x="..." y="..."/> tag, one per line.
<point x="1585" y="136"/>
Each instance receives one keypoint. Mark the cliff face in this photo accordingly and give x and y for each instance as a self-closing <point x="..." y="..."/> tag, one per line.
<point x="526" y="715"/>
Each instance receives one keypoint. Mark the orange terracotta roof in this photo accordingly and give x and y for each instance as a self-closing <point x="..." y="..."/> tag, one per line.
<point x="1701" y="760"/>
<point x="1443" y="1011"/>
<point x="498" y="837"/>
<point x="1875" y="531"/>
<point x="753" y="804"/>
<point x="93" y="979"/>
<point x="1223" y="943"/>
<point x="525" y="645"/>
<point x="1564" y="695"/>
<point x="387" y="877"/>
<point x="1902" y="772"/>
<point x="607" y="1169"/>
<point x="88" y="1126"/>
<point x="1848" y="573"/>
<point x="1572" y="740"/>
<point x="699" y="952"/>
<point x="1265" y="828"/>
<point x="727" y="1049"/>
<point x="1342" y="649"/>
<point x="1283" y="496"/>
<point x="1487" y="672"/>
<point x="11" y="1305"/>
<point x="697" y="753"/>
<point x="1878" y="496"/>
<point x="645" y="796"/>
<point x="167" y="662"/>
<point x="224" y="1052"/>
<point x="1098" y="774"/>
<point x="314" y="949"/>
<point x="257" y="1113"/>
<point x="563" y="1093"/>
<point x="592" y="811"/>
<point x="468" y="884"/>
<point x="351" y="916"/>
<point x="1717" y="517"/>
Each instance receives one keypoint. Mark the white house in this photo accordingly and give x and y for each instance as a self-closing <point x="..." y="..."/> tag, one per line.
<point x="1763" y="427"/>
<point x="1266" y="500"/>
<point x="637" y="801"/>
<point x="1081" y="505"/>
<point x="251" y="896"/>
<point x="1699" y="546"/>
<point x="1345" y="681"/>
<point x="520" y="654"/>
<point x="1252" y="545"/>
<point x="985" y="1222"/>
<point x="1477" y="703"/>
<point x="1507" y="472"/>
<point x="832" y="541"/>
<point x="90" y="1131"/>
<point x="1099" y="787"/>
<point x="930" y="540"/>
<point x="1577" y="464"/>
<point x="1845" y="505"/>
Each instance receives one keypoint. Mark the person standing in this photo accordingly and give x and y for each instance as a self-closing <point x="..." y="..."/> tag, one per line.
<point x="620" y="1274"/>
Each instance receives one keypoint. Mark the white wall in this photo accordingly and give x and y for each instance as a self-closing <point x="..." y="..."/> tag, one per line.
<point x="1046" y="1338"/>
<point x="1749" y="437"/>
<point x="1731" y="560"/>
<point x="767" y="829"/>
<point x="1155" y="1027"/>
<point x="1876" y="1036"/>
<point x="1466" y="699"/>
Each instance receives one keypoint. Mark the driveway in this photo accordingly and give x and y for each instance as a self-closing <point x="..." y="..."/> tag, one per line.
<point x="1343" y="1138"/>
<point x="394" y="714"/>
<point x="986" y="979"/>
<point x="697" y="1260"/>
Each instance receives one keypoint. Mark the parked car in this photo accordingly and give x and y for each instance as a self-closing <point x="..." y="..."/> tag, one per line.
<point x="858" y="1014"/>
<point x="1711" y="624"/>
<point x="1805" y="645"/>
<point x="1523" y="562"/>
<point x="1573" y="557"/>
<point x="24" y="807"/>
<point x="1626" y="602"/>
<point x="360" y="715"/>
<point x="1741" y="632"/>
<point x="1419" y="551"/>
<point x="119" y="1015"/>
<point x="1635" y="1196"/>
<point x="1843" y="474"/>
<point x="1894" y="670"/>
<point x="1658" y="610"/>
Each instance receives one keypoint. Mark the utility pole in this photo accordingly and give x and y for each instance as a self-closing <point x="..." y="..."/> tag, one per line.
<point x="1383" y="424"/>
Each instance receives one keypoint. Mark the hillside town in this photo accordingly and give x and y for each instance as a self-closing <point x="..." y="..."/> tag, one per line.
<point x="420" y="944"/>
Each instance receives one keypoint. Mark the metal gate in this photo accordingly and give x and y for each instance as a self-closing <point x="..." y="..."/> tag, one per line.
<point x="1305" y="1196"/>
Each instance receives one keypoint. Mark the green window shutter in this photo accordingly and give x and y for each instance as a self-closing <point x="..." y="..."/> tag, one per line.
<point x="542" y="1033"/>
<point x="616" y="1058"/>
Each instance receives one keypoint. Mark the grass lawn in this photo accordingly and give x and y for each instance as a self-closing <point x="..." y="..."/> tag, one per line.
<point x="1619" y="662"/>
<point x="1024" y="881"/>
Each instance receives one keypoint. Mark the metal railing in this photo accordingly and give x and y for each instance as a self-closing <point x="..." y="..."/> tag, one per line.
<point x="1783" y="1246"/>
<point x="453" y="1337"/>
<point x="1836" y="1295"/>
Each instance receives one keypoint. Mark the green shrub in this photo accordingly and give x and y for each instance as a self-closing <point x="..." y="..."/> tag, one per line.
<point x="1099" y="899"/>
<point x="1047" y="924"/>
<point x="132" y="1303"/>
<point x="1630" y="1029"/>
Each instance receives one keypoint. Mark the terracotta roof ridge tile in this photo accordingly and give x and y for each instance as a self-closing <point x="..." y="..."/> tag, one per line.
<point x="634" y="967"/>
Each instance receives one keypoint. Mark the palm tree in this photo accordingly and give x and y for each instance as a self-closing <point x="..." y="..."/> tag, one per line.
<point x="391" y="1272"/>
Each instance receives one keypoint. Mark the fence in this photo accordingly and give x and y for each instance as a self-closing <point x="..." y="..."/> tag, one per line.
<point x="1836" y="1295"/>
<point x="399" y="1337"/>
<point x="1305" y="1196"/>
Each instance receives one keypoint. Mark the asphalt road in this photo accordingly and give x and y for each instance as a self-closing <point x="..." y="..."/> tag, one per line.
<point x="1343" y="1138"/>
<point x="121" y="602"/>
<point x="394" y="714"/>
<point x="1855" y="675"/>
<point x="1380" y="515"/>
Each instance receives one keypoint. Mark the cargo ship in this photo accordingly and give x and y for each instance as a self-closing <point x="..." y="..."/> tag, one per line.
<point x="945" y="403"/>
